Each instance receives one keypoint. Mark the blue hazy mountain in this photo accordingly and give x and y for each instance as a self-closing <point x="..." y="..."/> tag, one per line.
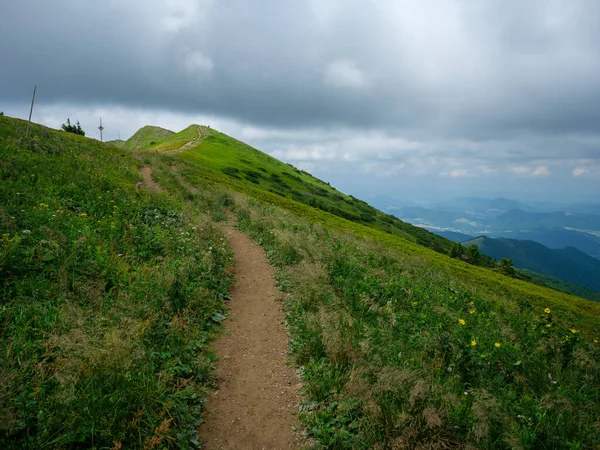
<point x="567" y="264"/>
<point x="574" y="226"/>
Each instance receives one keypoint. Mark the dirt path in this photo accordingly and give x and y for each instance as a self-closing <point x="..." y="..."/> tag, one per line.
<point x="202" y="133"/>
<point x="258" y="393"/>
<point x="146" y="173"/>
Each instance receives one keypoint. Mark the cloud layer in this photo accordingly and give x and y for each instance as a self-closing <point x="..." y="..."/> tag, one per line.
<point x="386" y="88"/>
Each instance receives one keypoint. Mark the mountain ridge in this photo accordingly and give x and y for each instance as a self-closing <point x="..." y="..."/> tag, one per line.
<point x="568" y="264"/>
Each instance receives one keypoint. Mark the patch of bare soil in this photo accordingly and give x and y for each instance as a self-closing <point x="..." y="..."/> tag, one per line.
<point x="146" y="173"/>
<point x="258" y="393"/>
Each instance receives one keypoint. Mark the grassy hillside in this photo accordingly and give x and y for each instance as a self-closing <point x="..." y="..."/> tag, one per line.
<point x="232" y="162"/>
<point x="110" y="294"/>
<point x="566" y="264"/>
<point x="176" y="141"/>
<point x="402" y="348"/>
<point x="145" y="136"/>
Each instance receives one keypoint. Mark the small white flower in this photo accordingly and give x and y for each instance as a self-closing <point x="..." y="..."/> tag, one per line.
<point x="26" y="231"/>
<point x="466" y="393"/>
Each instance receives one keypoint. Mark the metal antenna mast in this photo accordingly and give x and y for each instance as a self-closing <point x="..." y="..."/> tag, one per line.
<point x="101" y="128"/>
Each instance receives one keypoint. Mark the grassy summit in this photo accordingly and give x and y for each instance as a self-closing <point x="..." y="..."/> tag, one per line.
<point x="145" y="136"/>
<point x="229" y="161"/>
<point x="110" y="295"/>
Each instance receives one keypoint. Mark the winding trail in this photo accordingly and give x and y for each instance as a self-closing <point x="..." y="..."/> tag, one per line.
<point x="253" y="408"/>
<point x="202" y="133"/>
<point x="258" y="392"/>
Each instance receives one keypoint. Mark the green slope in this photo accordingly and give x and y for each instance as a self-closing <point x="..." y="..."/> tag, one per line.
<point x="233" y="162"/>
<point x="145" y="136"/>
<point x="111" y="296"/>
<point x="400" y="347"/>
<point x="566" y="264"/>
<point x="108" y="294"/>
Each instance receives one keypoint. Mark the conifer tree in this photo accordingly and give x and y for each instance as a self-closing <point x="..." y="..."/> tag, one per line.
<point x="75" y="129"/>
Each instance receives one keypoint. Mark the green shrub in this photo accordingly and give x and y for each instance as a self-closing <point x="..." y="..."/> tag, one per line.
<point x="75" y="129"/>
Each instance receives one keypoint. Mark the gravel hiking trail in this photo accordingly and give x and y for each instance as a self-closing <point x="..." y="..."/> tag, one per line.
<point x="257" y="392"/>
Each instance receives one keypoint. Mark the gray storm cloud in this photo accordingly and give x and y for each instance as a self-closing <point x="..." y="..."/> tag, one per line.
<point x="489" y="88"/>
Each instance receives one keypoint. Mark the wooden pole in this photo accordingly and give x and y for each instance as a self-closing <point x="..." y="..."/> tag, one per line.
<point x="30" y="112"/>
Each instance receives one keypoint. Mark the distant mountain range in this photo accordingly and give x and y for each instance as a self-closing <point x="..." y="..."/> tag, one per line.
<point x="575" y="226"/>
<point x="558" y="241"/>
<point x="567" y="264"/>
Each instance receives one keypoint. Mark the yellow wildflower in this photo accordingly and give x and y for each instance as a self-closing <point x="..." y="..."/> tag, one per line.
<point x="497" y="345"/>
<point x="473" y="343"/>
<point x="461" y="321"/>
<point x="547" y="310"/>
<point x="472" y="311"/>
<point x="573" y="330"/>
<point x="595" y="341"/>
<point x="83" y="214"/>
<point x="44" y="205"/>
<point x="548" y="325"/>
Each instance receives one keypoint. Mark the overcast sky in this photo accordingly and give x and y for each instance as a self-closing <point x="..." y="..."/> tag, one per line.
<point x="409" y="99"/>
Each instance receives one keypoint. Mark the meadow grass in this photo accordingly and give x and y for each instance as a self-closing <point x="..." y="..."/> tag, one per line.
<point x="173" y="141"/>
<point x="109" y="296"/>
<point x="398" y="350"/>
<point x="111" y="293"/>
<point x="145" y="137"/>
